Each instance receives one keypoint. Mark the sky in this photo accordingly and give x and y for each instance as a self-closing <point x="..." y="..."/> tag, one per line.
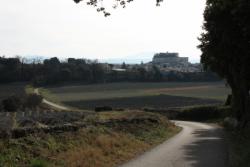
<point x="64" y="29"/>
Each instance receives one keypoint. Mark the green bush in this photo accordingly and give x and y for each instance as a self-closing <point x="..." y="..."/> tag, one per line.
<point x="12" y="104"/>
<point x="39" y="81"/>
<point x="38" y="163"/>
<point x="33" y="100"/>
<point x="203" y="113"/>
<point x="229" y="100"/>
<point x="1" y="107"/>
<point x="104" y="108"/>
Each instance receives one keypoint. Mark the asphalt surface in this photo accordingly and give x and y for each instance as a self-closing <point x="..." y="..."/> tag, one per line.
<point x="197" y="145"/>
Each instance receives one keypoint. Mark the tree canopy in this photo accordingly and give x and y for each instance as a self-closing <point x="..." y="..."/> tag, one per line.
<point x="225" y="47"/>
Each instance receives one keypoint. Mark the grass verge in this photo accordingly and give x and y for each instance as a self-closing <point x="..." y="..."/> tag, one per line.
<point x="205" y="113"/>
<point x="29" y="89"/>
<point x="127" y="135"/>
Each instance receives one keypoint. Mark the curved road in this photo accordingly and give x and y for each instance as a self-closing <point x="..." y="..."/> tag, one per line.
<point x="54" y="105"/>
<point x="197" y="145"/>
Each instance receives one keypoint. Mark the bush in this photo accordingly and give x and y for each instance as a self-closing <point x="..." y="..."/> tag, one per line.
<point x="1" y="107"/>
<point x="229" y="100"/>
<point x="33" y="100"/>
<point x="104" y="108"/>
<point x="203" y="113"/>
<point x="12" y="104"/>
<point x="119" y="109"/>
<point x="39" y="81"/>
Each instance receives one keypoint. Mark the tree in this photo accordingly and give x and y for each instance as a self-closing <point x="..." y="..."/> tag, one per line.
<point x="124" y="66"/>
<point x="100" y="8"/>
<point x="157" y="75"/>
<point x="33" y="100"/>
<point x="9" y="69"/>
<point x="52" y="69"/>
<point x="11" y="104"/>
<point x="97" y="72"/>
<point x="142" y="74"/>
<point x="225" y="49"/>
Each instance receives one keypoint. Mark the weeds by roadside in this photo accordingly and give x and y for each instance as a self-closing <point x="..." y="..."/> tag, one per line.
<point x="130" y="134"/>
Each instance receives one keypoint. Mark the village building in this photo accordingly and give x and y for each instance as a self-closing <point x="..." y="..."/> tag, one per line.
<point x="170" y="60"/>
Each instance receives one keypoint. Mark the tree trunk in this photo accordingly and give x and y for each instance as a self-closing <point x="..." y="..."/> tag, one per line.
<point x="241" y="103"/>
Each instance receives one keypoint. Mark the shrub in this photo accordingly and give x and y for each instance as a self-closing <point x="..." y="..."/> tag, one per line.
<point x="229" y="100"/>
<point x="203" y="113"/>
<point x="39" y="81"/>
<point x="104" y="108"/>
<point x="33" y="100"/>
<point x="119" y="109"/>
<point x="12" y="104"/>
<point x="1" y="107"/>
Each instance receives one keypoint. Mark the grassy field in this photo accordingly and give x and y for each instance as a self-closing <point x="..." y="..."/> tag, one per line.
<point x="137" y="95"/>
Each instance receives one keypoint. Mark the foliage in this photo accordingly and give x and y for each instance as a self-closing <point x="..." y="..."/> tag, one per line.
<point x="226" y="50"/>
<point x="10" y="69"/>
<point x="116" y="3"/>
<point x="204" y="113"/>
<point x="124" y="66"/>
<point x="52" y="72"/>
<point x="1" y="107"/>
<point x="104" y="108"/>
<point x="12" y="103"/>
<point x="33" y="100"/>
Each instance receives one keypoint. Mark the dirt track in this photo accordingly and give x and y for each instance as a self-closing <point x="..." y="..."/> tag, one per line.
<point x="198" y="145"/>
<point x="53" y="105"/>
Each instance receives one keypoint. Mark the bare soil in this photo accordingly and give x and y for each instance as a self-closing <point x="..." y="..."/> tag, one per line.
<point x="158" y="102"/>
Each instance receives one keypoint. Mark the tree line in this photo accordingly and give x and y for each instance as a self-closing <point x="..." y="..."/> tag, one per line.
<point x="53" y="71"/>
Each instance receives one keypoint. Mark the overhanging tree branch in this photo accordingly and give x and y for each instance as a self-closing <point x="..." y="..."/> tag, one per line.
<point x="98" y="4"/>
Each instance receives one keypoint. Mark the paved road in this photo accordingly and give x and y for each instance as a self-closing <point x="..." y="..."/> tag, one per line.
<point x="198" y="145"/>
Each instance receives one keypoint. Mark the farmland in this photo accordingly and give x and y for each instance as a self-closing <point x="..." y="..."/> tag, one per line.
<point x="55" y="138"/>
<point x="138" y="95"/>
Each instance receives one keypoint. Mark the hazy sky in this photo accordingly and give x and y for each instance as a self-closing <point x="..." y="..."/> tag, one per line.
<point x="64" y="29"/>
